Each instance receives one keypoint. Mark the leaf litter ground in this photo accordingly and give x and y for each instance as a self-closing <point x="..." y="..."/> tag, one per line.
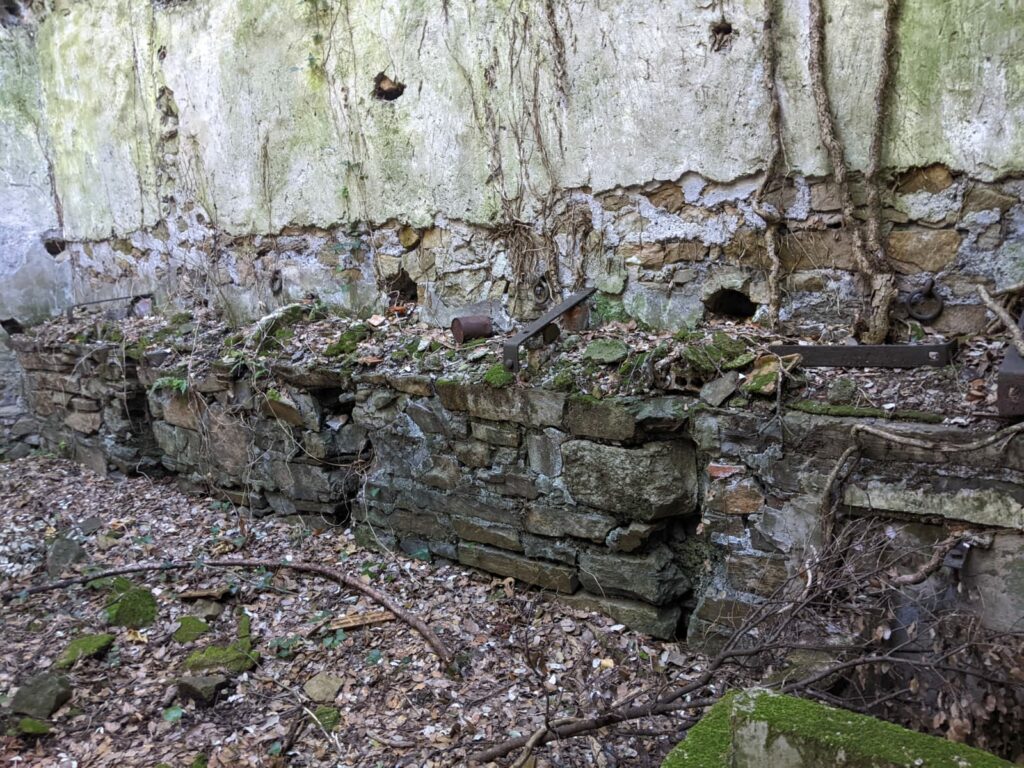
<point x="525" y="657"/>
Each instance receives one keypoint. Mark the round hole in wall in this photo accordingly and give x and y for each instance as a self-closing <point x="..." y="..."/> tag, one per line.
<point x="730" y="303"/>
<point x="386" y="89"/>
<point x="54" y="246"/>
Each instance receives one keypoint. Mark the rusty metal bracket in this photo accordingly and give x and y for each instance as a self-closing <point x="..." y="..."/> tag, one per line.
<point x="869" y="355"/>
<point x="510" y="349"/>
<point x="134" y="299"/>
<point x="1010" y="382"/>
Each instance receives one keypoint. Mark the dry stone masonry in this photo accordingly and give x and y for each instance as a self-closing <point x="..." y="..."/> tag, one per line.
<point x="670" y="515"/>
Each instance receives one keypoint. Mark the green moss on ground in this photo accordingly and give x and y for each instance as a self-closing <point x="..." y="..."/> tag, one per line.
<point x="824" y="409"/>
<point x="720" y="352"/>
<point x="348" y="341"/>
<point x="29" y="726"/>
<point x="84" y="647"/>
<point x="498" y="377"/>
<point x="190" y="629"/>
<point x="135" y="609"/>
<point x="609" y="309"/>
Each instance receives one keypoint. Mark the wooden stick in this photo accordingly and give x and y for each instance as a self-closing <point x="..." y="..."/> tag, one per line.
<point x="339" y="577"/>
<point x="1016" y="336"/>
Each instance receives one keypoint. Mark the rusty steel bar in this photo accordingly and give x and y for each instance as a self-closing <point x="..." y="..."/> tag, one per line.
<point x="869" y="355"/>
<point x="472" y="327"/>
<point x="510" y="349"/>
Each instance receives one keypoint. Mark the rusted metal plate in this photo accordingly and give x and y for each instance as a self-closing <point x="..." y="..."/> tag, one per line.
<point x="869" y="355"/>
<point x="1010" y="384"/>
<point x="510" y="349"/>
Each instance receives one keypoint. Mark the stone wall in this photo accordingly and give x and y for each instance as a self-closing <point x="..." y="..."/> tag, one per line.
<point x="239" y="153"/>
<point x="657" y="509"/>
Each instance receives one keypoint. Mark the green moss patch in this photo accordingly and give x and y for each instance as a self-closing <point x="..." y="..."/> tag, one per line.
<point x="190" y="629"/>
<point x="327" y="717"/>
<point x="84" y="647"/>
<point x="348" y="341"/>
<point x="498" y="377"/>
<point x="720" y="352"/>
<point x="29" y="726"/>
<point x="606" y="351"/>
<point x="134" y="608"/>
<point x="708" y="743"/>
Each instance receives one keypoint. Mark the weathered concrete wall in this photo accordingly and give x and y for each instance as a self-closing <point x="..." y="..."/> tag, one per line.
<point x="196" y="148"/>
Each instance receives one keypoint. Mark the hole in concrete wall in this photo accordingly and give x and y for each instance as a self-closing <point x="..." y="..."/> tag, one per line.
<point x="54" y="246"/>
<point x="730" y="303"/>
<point x="721" y="35"/>
<point x="401" y="288"/>
<point x="386" y="89"/>
<point x="10" y="13"/>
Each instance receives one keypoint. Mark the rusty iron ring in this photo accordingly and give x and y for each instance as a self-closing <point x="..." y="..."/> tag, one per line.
<point x="925" y="295"/>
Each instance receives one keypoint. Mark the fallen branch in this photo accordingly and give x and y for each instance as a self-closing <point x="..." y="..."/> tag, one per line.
<point x="1016" y="335"/>
<point x="331" y="574"/>
<point x="934" y="563"/>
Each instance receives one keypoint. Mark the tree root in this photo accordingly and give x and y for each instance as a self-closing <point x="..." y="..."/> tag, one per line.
<point x="331" y="574"/>
<point x="1016" y="335"/>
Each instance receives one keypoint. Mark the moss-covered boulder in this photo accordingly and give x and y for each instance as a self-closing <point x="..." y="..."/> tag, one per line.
<point x="42" y="695"/>
<point x="84" y="647"/>
<point x="750" y="729"/>
<point x="134" y="608"/>
<point x="190" y="629"/>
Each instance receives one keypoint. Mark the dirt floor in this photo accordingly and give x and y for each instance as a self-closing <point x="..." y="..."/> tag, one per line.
<point x="523" y="656"/>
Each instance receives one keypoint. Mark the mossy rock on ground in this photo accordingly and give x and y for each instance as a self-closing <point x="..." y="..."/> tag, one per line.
<point x="761" y="728"/>
<point x="235" y="658"/>
<point x="190" y="629"/>
<point x="606" y="351"/>
<point x="347" y="342"/>
<point x="135" y="609"/>
<point x="84" y="647"/>
<point x="328" y="718"/>
<point x="498" y="377"/>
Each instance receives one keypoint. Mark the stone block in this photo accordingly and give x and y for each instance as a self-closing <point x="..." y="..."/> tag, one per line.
<point x="86" y="423"/>
<point x="420" y="386"/>
<point x="655" y="480"/>
<point x="495" y="433"/>
<point x="573" y="521"/>
<point x="922" y="250"/>
<point x="443" y="473"/>
<point x="653" y="577"/>
<point x="514" y="484"/>
<point x="559" y="578"/>
<point x="658" y="621"/>
<point x="559" y="550"/>
<point x="427" y="415"/>
<point x="733" y="495"/>
<point x="544" y="451"/>
<point x="757" y="574"/>
<point x="974" y="501"/>
<point x="472" y="453"/>
<point x="631" y="537"/>
<point x="486" y="532"/>
<point x="295" y="408"/>
<point x="603" y="419"/>
<point x="178" y="410"/>
<point x="530" y="407"/>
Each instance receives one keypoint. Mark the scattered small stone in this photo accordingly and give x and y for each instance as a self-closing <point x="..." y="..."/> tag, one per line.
<point x="202" y="689"/>
<point x="842" y="391"/>
<point x="323" y="687"/>
<point x="327" y="717"/>
<point x="42" y="695"/>
<point x="606" y="351"/>
<point x="63" y="553"/>
<point x="716" y="392"/>
<point x="85" y="647"/>
<point x="207" y="610"/>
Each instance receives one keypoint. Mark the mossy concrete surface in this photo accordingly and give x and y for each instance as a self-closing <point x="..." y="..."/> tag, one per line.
<point x="757" y="728"/>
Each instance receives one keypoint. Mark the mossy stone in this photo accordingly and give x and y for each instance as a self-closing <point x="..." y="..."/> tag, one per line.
<point x="606" y="351"/>
<point x="235" y="658"/>
<point x="135" y="609"/>
<point x="29" y="726"/>
<point x="328" y="718"/>
<point x="348" y="341"/>
<point x="190" y="629"/>
<point x="84" y="647"/>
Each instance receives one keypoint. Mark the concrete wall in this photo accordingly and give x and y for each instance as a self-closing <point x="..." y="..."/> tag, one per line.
<point x="174" y="142"/>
